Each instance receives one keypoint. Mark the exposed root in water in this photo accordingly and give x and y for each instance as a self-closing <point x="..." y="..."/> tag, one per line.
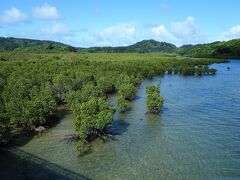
<point x="92" y="135"/>
<point x="39" y="130"/>
<point x="83" y="145"/>
<point x="98" y="133"/>
<point x="72" y="138"/>
<point x="153" y="111"/>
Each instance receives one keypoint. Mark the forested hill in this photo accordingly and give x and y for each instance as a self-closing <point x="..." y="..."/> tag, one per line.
<point x="144" y="46"/>
<point x="225" y="49"/>
<point x="30" y="45"/>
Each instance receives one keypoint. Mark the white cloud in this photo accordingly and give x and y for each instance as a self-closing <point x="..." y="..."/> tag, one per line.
<point x="187" y="31"/>
<point x="46" y="11"/>
<point x="120" y="34"/>
<point x="159" y="30"/>
<point x="184" y="32"/>
<point x="233" y="32"/>
<point x="55" y="32"/>
<point x="56" y="29"/>
<point x="185" y="28"/>
<point x="12" y="16"/>
<point x="161" y="33"/>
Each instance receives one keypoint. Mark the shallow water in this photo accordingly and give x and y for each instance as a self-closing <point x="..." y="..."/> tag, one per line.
<point x="196" y="136"/>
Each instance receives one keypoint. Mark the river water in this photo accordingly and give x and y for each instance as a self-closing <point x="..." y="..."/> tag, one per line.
<point x="196" y="136"/>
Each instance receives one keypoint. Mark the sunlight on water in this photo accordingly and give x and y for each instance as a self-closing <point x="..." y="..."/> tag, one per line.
<point x="197" y="135"/>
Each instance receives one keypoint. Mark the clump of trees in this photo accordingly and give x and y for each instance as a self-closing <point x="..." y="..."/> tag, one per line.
<point x="122" y="104"/>
<point x="93" y="114"/>
<point x="187" y="70"/>
<point x="27" y="107"/>
<point x="212" y="71"/>
<point x="92" y="117"/>
<point x="199" y="70"/>
<point x="205" y="70"/>
<point x="4" y="127"/>
<point x="127" y="91"/>
<point x="154" y="100"/>
<point x="106" y="85"/>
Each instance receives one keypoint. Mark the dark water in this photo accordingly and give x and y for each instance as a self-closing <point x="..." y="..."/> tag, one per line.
<point x="197" y="135"/>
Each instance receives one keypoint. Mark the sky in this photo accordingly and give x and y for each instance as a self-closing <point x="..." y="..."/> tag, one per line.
<point x="86" y="23"/>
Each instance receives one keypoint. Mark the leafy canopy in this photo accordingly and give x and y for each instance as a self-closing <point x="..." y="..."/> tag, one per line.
<point x="154" y="100"/>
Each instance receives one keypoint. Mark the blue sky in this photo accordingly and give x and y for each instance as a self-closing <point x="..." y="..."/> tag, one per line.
<point x="120" y="22"/>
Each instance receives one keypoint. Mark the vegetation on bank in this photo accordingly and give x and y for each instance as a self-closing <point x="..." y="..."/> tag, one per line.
<point x="154" y="100"/>
<point x="32" y="87"/>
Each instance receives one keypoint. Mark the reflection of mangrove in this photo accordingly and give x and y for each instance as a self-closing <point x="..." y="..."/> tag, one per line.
<point x="119" y="127"/>
<point x="18" y="164"/>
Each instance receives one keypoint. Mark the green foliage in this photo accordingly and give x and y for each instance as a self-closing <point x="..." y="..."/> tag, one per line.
<point x="105" y="85"/>
<point x="61" y="85"/>
<point x="122" y="104"/>
<point x="145" y="46"/>
<point x="29" y="45"/>
<point x="92" y="116"/>
<point x="4" y="133"/>
<point x="28" y="109"/>
<point x="212" y="71"/>
<point x="169" y="69"/>
<point x="187" y="70"/>
<point x="33" y="84"/>
<point x="228" y="49"/>
<point x="199" y="70"/>
<point x="176" y="70"/>
<point x="4" y="124"/>
<point x="154" y="100"/>
<point x="127" y="91"/>
<point x="206" y="69"/>
<point x="40" y="105"/>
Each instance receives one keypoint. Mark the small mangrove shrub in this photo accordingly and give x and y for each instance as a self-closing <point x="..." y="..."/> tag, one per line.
<point x="122" y="104"/>
<point x="154" y="100"/>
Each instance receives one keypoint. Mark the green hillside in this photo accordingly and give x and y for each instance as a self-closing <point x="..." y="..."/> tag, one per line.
<point x="29" y="45"/>
<point x="144" y="46"/>
<point x="225" y="49"/>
